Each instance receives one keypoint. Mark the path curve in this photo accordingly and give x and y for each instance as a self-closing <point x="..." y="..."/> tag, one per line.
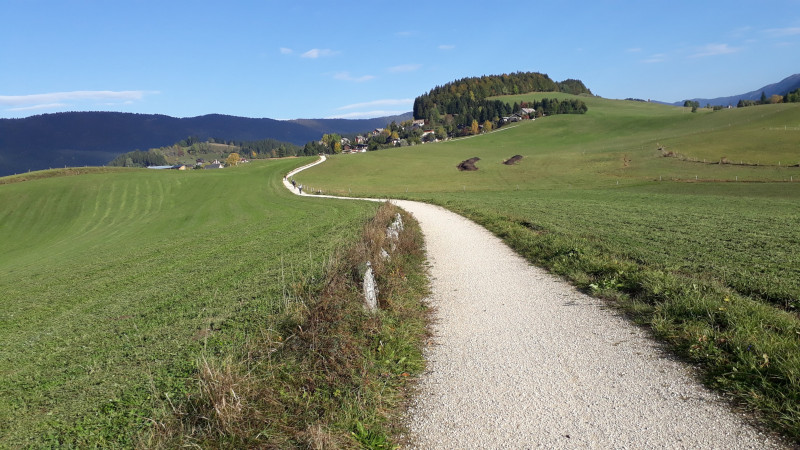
<point x="523" y="360"/>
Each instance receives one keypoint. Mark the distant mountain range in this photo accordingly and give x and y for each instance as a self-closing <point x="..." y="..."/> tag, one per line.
<point x="95" y="138"/>
<point x="782" y="87"/>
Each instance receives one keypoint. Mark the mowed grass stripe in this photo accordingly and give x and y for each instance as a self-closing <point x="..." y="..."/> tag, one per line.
<point x="116" y="281"/>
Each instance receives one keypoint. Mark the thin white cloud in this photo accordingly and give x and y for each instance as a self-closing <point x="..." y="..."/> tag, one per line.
<point x="407" y="33"/>
<point x="783" y="32"/>
<point x="57" y="97"/>
<point x="54" y="100"/>
<point x="656" y="58"/>
<point x="634" y="50"/>
<point x="315" y="53"/>
<point x="35" y="107"/>
<point x="345" y="76"/>
<point x="714" y="50"/>
<point x="404" y="68"/>
<point x="447" y="47"/>
<point x="368" y="114"/>
<point x="740" y="32"/>
<point x="286" y="51"/>
<point x="404" y="102"/>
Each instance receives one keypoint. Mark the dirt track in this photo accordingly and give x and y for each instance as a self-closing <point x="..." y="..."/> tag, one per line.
<point x="522" y="360"/>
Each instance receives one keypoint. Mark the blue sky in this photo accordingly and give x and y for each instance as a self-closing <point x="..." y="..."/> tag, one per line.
<point x="315" y="59"/>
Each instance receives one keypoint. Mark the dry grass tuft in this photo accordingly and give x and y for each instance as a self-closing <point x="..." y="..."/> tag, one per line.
<point x="326" y="373"/>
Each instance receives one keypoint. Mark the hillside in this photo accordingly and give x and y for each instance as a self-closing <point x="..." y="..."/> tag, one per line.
<point x="349" y="126"/>
<point x="782" y="87"/>
<point x="95" y="138"/>
<point x="679" y="218"/>
<point x="114" y="282"/>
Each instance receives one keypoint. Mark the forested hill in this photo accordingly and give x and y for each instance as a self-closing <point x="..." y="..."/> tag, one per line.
<point x="464" y="100"/>
<point x="95" y="138"/>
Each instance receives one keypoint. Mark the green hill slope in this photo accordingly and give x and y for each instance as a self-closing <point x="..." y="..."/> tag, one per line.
<point x="615" y="141"/>
<point x="703" y="253"/>
<point x="112" y="283"/>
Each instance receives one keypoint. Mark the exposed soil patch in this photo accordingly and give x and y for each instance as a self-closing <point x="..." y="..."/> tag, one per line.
<point x="468" y="164"/>
<point x="513" y="160"/>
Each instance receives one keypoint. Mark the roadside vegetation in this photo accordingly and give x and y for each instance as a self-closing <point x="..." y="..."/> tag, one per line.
<point x="323" y="373"/>
<point x="128" y="292"/>
<point x="702" y="253"/>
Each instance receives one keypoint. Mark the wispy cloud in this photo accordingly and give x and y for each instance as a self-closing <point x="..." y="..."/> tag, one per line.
<point x="740" y="32"/>
<point x="315" y="53"/>
<point x="406" y="33"/>
<point x="367" y="114"/>
<point x="447" y="47"/>
<point x="655" y="58"/>
<point x="714" y="50"/>
<point x="345" y="76"/>
<point x="783" y="32"/>
<point x="35" y="107"/>
<point x="634" y="50"/>
<point x="286" y="51"/>
<point x="401" y="102"/>
<point x="63" y="99"/>
<point x="404" y="68"/>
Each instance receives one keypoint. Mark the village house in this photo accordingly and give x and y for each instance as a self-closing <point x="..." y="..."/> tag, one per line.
<point x="512" y="118"/>
<point x="361" y="140"/>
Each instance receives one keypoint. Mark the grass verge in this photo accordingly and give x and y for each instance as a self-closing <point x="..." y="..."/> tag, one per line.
<point x="324" y="373"/>
<point x="746" y="347"/>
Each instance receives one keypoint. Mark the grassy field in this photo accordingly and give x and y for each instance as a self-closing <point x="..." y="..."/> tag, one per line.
<point x="705" y="254"/>
<point x="114" y="282"/>
<point x="615" y="142"/>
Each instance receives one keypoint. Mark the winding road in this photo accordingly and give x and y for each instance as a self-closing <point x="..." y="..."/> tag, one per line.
<point x="523" y="360"/>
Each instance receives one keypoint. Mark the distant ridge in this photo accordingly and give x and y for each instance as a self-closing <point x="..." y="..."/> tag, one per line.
<point x="95" y="138"/>
<point x="343" y="126"/>
<point x="782" y="87"/>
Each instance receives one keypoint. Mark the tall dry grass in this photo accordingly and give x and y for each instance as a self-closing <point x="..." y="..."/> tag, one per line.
<point x="325" y="373"/>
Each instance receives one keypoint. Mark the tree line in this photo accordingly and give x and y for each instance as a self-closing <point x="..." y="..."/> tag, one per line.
<point x="790" y="97"/>
<point x="457" y="105"/>
<point x="138" y="158"/>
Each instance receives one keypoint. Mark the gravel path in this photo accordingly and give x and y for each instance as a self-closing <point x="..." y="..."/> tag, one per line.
<point x="523" y="360"/>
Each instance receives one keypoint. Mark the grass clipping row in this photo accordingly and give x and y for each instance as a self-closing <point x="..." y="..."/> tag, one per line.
<point x="326" y="373"/>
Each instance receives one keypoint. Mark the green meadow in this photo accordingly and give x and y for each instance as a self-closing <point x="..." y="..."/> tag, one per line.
<point x="113" y="283"/>
<point x="630" y="203"/>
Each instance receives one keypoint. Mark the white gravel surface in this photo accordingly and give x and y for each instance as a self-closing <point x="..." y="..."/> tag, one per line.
<point x="522" y="360"/>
